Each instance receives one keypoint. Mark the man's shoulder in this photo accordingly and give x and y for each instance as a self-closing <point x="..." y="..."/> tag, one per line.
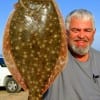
<point x="95" y="52"/>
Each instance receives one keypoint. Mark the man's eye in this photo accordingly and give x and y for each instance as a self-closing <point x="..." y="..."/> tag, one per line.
<point x="75" y="30"/>
<point x="88" y="30"/>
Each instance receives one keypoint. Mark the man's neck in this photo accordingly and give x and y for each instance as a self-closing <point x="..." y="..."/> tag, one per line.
<point x="81" y="58"/>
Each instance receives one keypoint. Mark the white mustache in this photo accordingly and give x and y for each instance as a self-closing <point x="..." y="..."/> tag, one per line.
<point x="84" y="40"/>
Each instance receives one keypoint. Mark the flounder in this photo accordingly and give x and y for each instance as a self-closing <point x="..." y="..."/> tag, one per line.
<point x="34" y="45"/>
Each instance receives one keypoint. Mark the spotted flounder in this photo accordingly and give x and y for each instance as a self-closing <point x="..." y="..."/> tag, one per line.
<point x="34" y="45"/>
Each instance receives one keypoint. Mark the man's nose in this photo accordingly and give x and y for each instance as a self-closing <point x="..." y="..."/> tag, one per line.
<point x="81" y="34"/>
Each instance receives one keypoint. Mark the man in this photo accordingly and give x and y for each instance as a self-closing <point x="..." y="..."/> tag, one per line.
<point x="80" y="78"/>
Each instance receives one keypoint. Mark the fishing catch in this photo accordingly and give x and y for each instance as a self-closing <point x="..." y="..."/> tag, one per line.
<point x="34" y="45"/>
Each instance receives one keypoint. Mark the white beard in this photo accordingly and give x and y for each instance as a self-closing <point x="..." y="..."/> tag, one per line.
<point x="79" y="50"/>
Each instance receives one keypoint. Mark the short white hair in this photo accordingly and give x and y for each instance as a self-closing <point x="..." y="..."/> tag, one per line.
<point x="80" y="14"/>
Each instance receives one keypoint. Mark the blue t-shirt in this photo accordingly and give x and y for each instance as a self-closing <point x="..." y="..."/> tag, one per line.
<point x="77" y="81"/>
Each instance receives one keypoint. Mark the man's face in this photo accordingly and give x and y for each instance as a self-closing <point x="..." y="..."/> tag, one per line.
<point x="80" y="35"/>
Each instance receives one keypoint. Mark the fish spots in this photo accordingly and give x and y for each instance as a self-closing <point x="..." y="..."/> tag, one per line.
<point x="35" y="38"/>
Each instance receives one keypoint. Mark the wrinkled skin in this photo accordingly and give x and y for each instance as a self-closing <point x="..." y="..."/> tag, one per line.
<point x="34" y="45"/>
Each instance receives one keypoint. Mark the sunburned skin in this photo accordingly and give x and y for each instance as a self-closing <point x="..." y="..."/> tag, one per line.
<point x="34" y="45"/>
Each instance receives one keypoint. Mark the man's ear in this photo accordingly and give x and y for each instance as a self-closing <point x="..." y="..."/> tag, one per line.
<point x="67" y="32"/>
<point x="94" y="30"/>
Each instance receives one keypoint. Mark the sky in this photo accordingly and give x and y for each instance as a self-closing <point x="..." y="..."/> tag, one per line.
<point x="65" y="6"/>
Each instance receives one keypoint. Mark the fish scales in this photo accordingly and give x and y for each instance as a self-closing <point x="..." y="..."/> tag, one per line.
<point x="34" y="45"/>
